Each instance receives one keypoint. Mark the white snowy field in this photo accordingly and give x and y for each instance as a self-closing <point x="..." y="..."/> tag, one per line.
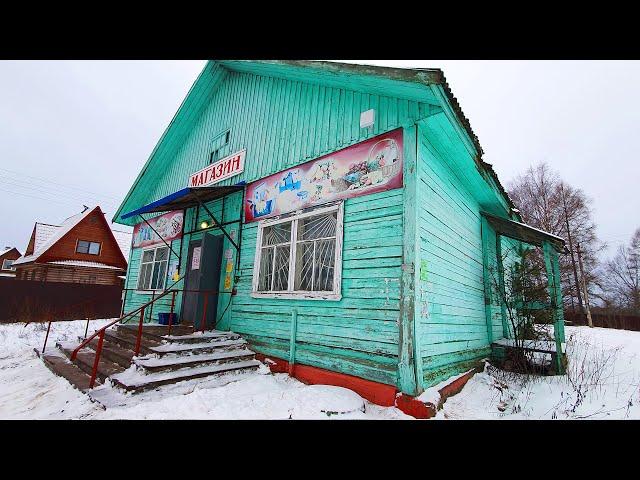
<point x="603" y="382"/>
<point x="28" y="390"/>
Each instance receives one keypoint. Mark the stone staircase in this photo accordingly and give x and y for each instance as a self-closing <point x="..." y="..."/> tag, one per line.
<point x="164" y="359"/>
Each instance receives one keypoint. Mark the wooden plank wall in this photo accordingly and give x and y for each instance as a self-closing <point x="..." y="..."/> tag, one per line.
<point x="357" y="335"/>
<point x="282" y="123"/>
<point x="450" y="293"/>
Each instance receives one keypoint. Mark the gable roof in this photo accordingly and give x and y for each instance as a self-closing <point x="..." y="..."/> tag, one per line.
<point x="46" y="236"/>
<point x="6" y="250"/>
<point x="426" y="85"/>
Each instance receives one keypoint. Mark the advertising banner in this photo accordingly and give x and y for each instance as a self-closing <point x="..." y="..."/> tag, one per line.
<point x="367" y="167"/>
<point x="169" y="226"/>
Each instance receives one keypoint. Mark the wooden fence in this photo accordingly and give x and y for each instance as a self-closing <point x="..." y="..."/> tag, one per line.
<point x="606" y="320"/>
<point x="35" y="301"/>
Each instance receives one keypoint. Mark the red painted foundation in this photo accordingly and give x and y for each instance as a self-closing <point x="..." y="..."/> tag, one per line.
<point x="375" y="392"/>
<point x="378" y="393"/>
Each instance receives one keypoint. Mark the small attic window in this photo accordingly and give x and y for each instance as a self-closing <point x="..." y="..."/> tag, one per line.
<point x="218" y="146"/>
<point x="91" y="248"/>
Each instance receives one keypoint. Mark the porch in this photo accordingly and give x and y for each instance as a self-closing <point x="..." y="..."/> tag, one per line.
<point x="520" y="301"/>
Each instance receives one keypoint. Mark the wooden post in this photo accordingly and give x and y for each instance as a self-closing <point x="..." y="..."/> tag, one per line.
<point x="410" y="378"/>
<point x="292" y="341"/>
<point x="502" y="291"/>
<point x="486" y="278"/>
<point x="553" y="281"/>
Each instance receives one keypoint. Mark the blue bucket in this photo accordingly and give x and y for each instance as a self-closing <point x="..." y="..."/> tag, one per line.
<point x="163" y="318"/>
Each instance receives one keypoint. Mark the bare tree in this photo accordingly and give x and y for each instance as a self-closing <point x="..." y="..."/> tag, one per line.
<point x="621" y="279"/>
<point x="547" y="202"/>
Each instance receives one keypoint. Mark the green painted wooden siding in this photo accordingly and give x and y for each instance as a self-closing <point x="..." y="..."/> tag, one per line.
<point x="450" y="304"/>
<point x="134" y="300"/>
<point x="283" y="123"/>
<point x="358" y="334"/>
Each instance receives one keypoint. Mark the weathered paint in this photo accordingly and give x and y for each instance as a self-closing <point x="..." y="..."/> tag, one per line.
<point x="412" y="309"/>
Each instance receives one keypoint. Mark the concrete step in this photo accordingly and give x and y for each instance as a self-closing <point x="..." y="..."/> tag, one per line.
<point x="199" y="337"/>
<point x="154" y="331"/>
<point x="128" y="341"/>
<point x="172" y="362"/>
<point x="60" y="365"/>
<point x="112" y="351"/>
<point x="85" y="359"/>
<point x="197" y="348"/>
<point x="137" y="381"/>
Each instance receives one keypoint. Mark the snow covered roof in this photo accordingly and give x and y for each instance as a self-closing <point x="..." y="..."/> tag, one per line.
<point x="82" y="263"/>
<point x="124" y="242"/>
<point x="6" y="250"/>
<point x="47" y="235"/>
<point x="44" y="231"/>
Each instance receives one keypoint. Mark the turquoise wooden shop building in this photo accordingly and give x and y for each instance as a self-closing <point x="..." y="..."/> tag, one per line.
<point x="344" y="215"/>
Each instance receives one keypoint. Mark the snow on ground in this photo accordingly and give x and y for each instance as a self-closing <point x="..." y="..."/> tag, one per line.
<point x="602" y="382"/>
<point x="28" y="390"/>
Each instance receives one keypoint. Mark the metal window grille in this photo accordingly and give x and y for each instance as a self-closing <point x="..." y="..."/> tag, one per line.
<point x="299" y="255"/>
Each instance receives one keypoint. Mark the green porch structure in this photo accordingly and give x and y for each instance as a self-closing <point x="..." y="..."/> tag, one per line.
<point x="403" y="244"/>
<point x="494" y="231"/>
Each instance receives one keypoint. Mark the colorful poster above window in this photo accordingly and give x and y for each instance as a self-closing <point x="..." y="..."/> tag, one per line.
<point x="367" y="167"/>
<point x="169" y="226"/>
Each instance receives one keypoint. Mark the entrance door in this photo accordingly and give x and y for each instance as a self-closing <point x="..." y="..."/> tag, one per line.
<point x="203" y="273"/>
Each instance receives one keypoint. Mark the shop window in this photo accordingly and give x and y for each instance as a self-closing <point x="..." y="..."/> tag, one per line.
<point x="8" y="264"/>
<point x="300" y="256"/>
<point x="153" y="268"/>
<point x="91" y="248"/>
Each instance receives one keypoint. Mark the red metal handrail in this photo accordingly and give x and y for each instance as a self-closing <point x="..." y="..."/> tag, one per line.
<point x="141" y="310"/>
<point x="51" y="319"/>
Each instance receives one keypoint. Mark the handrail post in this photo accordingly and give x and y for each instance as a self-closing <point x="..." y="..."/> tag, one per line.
<point x="86" y="329"/>
<point x="173" y="302"/>
<point x="47" y="335"/>
<point x="139" y="338"/>
<point x="204" y="311"/>
<point x="94" y="371"/>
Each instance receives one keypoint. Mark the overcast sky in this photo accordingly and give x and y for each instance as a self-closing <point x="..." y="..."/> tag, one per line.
<point x="78" y="132"/>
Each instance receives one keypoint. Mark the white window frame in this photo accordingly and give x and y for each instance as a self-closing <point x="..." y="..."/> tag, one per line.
<point x="166" y="273"/>
<point x="10" y="267"/>
<point x="334" y="295"/>
<point x="89" y="247"/>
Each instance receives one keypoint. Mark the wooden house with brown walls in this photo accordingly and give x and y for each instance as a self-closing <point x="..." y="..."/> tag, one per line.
<point x="8" y="255"/>
<point x="84" y="249"/>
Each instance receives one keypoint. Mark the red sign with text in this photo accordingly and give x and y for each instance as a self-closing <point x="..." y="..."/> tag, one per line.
<point x="218" y="171"/>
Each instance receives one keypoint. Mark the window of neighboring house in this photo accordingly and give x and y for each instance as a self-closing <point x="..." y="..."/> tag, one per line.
<point x="8" y="264"/>
<point x="153" y="268"/>
<point x="84" y="246"/>
<point x="300" y="256"/>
